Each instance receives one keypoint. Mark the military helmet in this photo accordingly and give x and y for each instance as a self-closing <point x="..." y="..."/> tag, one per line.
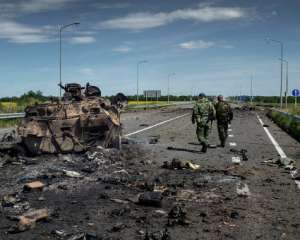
<point x="220" y="98"/>
<point x="201" y="95"/>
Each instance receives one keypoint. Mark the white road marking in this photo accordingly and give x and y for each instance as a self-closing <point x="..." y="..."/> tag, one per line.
<point x="232" y="144"/>
<point x="230" y="130"/>
<point x="236" y="160"/>
<point x="278" y="148"/>
<point x="156" y="125"/>
<point x="274" y="142"/>
<point x="230" y="135"/>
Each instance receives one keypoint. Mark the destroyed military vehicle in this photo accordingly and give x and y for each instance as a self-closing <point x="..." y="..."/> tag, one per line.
<point x="81" y="119"/>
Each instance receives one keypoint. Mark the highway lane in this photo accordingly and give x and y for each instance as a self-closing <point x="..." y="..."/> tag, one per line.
<point x="272" y="208"/>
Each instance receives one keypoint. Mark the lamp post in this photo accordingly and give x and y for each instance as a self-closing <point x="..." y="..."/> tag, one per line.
<point x="137" y="77"/>
<point x="251" y="89"/>
<point x="281" y="72"/>
<point x="286" y="82"/>
<point x="170" y="74"/>
<point x="61" y="28"/>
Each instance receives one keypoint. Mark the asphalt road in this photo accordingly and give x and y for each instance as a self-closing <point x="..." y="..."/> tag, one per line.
<point x="226" y="198"/>
<point x="272" y="209"/>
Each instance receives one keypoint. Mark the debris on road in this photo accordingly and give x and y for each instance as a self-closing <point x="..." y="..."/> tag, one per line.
<point x="184" y="150"/>
<point x="29" y="219"/>
<point x="236" y="160"/>
<point x="72" y="174"/>
<point x="153" y="199"/>
<point x="243" y="190"/>
<point x="180" y="164"/>
<point x="154" y="139"/>
<point x="158" y="235"/>
<point x="282" y="162"/>
<point x="36" y="185"/>
<point x="9" y="200"/>
<point x="178" y="216"/>
<point x="242" y="153"/>
<point x="116" y="200"/>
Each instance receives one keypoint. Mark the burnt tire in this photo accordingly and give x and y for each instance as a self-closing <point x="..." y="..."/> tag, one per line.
<point x="32" y="145"/>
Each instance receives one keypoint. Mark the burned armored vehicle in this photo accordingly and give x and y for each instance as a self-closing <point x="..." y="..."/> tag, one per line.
<point x="81" y="119"/>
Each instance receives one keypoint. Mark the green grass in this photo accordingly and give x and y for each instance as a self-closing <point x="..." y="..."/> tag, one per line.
<point x="5" y="123"/>
<point x="287" y="123"/>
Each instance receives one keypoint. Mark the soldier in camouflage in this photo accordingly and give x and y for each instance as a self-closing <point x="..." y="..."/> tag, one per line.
<point x="203" y="113"/>
<point x="224" y="116"/>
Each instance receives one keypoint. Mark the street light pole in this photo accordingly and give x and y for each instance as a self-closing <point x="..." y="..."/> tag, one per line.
<point x="286" y="81"/>
<point x="281" y="72"/>
<point x="170" y="74"/>
<point x="61" y="28"/>
<point x="251" y="89"/>
<point x="137" y="78"/>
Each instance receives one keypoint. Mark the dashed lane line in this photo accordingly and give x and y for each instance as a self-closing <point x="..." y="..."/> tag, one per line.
<point x="277" y="147"/>
<point x="229" y="130"/>
<point x="231" y="135"/>
<point x="232" y="144"/>
<point x="155" y="125"/>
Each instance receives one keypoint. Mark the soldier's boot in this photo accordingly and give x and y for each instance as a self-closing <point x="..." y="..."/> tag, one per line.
<point x="222" y="143"/>
<point x="204" y="148"/>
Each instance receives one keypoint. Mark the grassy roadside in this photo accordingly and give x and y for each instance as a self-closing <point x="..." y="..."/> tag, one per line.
<point x="6" y="123"/>
<point x="288" y="123"/>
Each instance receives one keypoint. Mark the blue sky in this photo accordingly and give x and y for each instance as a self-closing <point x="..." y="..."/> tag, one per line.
<point x="212" y="46"/>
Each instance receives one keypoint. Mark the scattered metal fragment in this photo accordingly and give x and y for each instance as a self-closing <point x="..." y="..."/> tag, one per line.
<point x="159" y="235"/>
<point x="184" y="150"/>
<point x="242" y="153"/>
<point x="178" y="216"/>
<point x="153" y="199"/>
<point x="72" y="174"/>
<point x="116" y="200"/>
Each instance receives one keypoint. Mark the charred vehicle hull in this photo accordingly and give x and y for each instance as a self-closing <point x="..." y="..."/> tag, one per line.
<point x="74" y="124"/>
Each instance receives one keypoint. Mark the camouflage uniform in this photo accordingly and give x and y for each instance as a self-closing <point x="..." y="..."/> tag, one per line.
<point x="224" y="116"/>
<point x="203" y="112"/>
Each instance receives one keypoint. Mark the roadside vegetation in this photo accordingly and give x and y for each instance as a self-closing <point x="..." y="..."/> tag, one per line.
<point x="288" y="123"/>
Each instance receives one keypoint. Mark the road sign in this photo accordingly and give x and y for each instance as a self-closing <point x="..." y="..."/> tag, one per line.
<point x="296" y="92"/>
<point x="152" y="93"/>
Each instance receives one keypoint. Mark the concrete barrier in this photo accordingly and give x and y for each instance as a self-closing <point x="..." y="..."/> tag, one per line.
<point x="286" y="121"/>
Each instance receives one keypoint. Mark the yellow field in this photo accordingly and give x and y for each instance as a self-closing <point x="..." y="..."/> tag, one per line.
<point x="293" y="110"/>
<point x="148" y="102"/>
<point x="8" y="107"/>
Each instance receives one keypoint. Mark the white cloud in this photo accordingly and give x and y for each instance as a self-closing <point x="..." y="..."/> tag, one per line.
<point x="20" y="7"/>
<point x="88" y="72"/>
<point x="21" y="33"/>
<point x="199" y="44"/>
<point x="82" y="40"/>
<point x="119" y="5"/>
<point x="139" y="21"/>
<point x="122" y="49"/>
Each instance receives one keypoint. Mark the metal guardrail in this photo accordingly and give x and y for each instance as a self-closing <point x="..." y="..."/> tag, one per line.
<point x="11" y="115"/>
<point x="141" y="106"/>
